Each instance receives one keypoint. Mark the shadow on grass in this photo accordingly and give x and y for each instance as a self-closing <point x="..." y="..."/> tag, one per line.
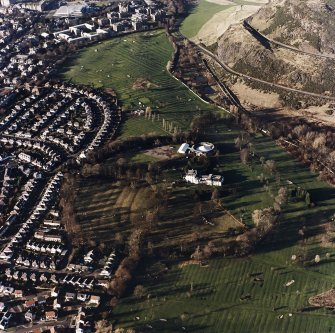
<point x="286" y="234"/>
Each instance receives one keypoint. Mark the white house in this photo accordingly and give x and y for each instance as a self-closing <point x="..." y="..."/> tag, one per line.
<point x="192" y="177"/>
<point x="210" y="180"/>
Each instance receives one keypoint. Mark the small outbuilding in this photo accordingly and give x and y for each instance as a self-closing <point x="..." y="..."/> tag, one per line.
<point x="183" y="149"/>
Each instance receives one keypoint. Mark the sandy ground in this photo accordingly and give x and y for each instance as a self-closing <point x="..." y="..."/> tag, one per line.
<point x="257" y="1"/>
<point x="326" y="299"/>
<point x="221" y="21"/>
<point x="255" y="97"/>
<point x="313" y="113"/>
<point x="189" y="262"/>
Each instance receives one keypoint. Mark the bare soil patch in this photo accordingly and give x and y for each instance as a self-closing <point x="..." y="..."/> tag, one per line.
<point x="250" y="98"/>
<point x="110" y="91"/>
<point x="320" y="113"/>
<point x="161" y="153"/>
<point x="189" y="262"/>
<point x="224" y="222"/>
<point x="142" y="84"/>
<point x="221" y="2"/>
<point x="326" y="299"/>
<point x="248" y="95"/>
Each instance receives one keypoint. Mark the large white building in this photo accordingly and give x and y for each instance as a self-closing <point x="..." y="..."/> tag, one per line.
<point x="75" y="10"/>
<point x="28" y="4"/>
<point x="210" y="180"/>
<point x="25" y="157"/>
<point x="199" y="149"/>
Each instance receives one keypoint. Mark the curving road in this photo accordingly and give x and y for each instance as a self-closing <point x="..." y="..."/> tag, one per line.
<point x="250" y="78"/>
<point x="252" y="30"/>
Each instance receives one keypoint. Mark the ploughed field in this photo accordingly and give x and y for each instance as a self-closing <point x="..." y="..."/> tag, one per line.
<point x="135" y="67"/>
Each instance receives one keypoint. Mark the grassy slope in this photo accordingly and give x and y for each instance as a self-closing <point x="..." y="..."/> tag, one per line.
<point x="137" y="56"/>
<point x="104" y="208"/>
<point x="199" y="15"/>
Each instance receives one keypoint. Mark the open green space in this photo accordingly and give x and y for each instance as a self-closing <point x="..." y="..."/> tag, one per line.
<point x="230" y="295"/>
<point x="135" y="67"/>
<point x="106" y="208"/>
<point x="242" y="191"/>
<point x="100" y="216"/>
<point x="238" y="294"/>
<point x="198" y="16"/>
<point x="136" y="126"/>
<point x="248" y="294"/>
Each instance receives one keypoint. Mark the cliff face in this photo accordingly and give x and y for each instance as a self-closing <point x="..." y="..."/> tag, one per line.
<point x="308" y="25"/>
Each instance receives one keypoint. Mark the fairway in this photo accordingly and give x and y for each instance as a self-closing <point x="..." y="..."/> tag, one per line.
<point x="120" y="63"/>
<point x="227" y="294"/>
<point x="105" y="208"/>
<point x="239" y="294"/>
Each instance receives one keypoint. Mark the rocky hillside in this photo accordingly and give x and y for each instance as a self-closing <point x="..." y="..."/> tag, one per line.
<point x="309" y="25"/>
<point x="306" y="24"/>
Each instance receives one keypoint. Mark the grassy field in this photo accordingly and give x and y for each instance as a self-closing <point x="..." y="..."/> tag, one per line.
<point x="105" y="208"/>
<point x="198" y="16"/>
<point x="225" y="296"/>
<point x="97" y="199"/>
<point x="238" y="295"/>
<point x="242" y="191"/>
<point x="120" y="63"/>
<point x="136" y="126"/>
<point x="248" y="294"/>
<point x="229" y="294"/>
